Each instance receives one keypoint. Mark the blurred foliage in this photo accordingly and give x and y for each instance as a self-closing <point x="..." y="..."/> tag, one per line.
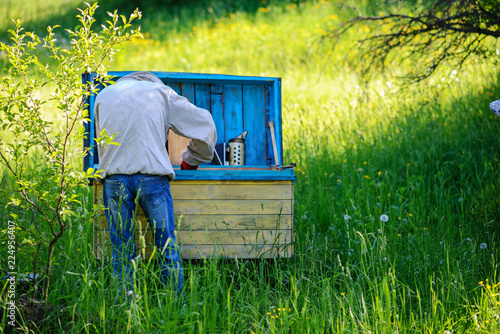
<point x="36" y="15"/>
<point x="220" y="5"/>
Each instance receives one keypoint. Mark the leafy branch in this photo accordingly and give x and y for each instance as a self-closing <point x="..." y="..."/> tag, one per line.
<point x="433" y="33"/>
<point x="40" y="156"/>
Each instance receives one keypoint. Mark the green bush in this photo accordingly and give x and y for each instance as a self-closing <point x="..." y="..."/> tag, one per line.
<point x="43" y="158"/>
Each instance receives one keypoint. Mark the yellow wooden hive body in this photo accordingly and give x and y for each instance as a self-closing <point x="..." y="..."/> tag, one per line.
<point x="244" y="219"/>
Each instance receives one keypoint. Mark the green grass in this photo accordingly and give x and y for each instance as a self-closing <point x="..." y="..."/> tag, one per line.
<point x="426" y="156"/>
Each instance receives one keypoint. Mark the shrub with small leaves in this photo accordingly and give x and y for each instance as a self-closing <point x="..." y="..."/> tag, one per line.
<point x="43" y="159"/>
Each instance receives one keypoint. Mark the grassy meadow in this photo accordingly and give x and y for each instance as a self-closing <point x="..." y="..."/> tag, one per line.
<point x="397" y="198"/>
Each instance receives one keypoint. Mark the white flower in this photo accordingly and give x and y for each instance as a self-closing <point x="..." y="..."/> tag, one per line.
<point x="131" y="294"/>
<point x="347" y="217"/>
<point x="460" y="200"/>
<point x="483" y="245"/>
<point x="384" y="218"/>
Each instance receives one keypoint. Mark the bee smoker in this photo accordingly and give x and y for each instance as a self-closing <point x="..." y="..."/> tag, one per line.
<point x="236" y="150"/>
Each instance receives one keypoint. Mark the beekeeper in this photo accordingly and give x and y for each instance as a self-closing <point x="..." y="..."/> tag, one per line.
<point x="140" y="109"/>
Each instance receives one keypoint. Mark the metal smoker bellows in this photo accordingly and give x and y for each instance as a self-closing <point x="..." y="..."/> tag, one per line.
<point x="236" y="149"/>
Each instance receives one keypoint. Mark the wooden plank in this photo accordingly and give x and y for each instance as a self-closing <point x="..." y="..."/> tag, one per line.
<point x="235" y="237"/>
<point x="233" y="111"/>
<point x="202" y="93"/>
<point x="194" y="251"/>
<point x="176" y="182"/>
<point x="218" y="222"/>
<point x="102" y="222"/>
<point x="235" y="251"/>
<point x="202" y="100"/>
<point x="102" y="244"/>
<point x="202" y="77"/>
<point x="217" y="109"/>
<point x="188" y="92"/>
<point x="233" y="222"/>
<point x="230" y="174"/>
<point x="177" y="87"/>
<point x="209" y="237"/>
<point x="248" y="207"/>
<point x="204" y="239"/>
<point x="176" y="146"/>
<point x="254" y="120"/>
<point x="230" y="191"/>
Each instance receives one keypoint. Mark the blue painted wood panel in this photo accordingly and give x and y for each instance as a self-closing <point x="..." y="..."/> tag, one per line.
<point x="177" y="87"/>
<point x="233" y="111"/>
<point x="217" y="110"/>
<point x="188" y="92"/>
<point x="237" y="103"/>
<point x="202" y="93"/>
<point x="235" y="174"/>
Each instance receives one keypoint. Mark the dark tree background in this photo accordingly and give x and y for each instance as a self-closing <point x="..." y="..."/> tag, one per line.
<point x="430" y="34"/>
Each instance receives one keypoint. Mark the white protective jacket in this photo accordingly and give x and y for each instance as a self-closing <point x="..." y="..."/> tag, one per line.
<point x="141" y="109"/>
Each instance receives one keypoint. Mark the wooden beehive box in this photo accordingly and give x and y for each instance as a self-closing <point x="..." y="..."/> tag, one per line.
<point x="229" y="211"/>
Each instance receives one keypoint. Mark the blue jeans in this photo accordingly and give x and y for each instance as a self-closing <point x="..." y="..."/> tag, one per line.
<point x="120" y="195"/>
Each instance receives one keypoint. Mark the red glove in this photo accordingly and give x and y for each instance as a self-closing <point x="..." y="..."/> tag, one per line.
<point x="185" y="166"/>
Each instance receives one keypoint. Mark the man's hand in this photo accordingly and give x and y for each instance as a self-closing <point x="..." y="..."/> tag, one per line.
<point x="185" y="166"/>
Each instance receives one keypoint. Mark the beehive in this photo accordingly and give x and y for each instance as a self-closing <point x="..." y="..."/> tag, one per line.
<point x="229" y="211"/>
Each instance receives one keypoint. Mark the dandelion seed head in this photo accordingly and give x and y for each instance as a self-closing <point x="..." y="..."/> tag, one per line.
<point x="483" y="245"/>
<point x="384" y="218"/>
